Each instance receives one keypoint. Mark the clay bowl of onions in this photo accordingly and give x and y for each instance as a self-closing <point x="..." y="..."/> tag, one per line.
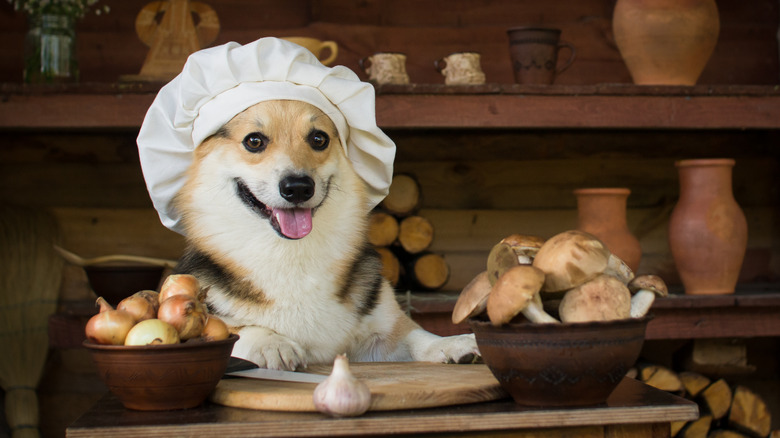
<point x="160" y="350"/>
<point x="558" y="322"/>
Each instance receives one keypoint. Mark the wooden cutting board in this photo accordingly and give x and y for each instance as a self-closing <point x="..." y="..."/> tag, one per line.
<point x="393" y="385"/>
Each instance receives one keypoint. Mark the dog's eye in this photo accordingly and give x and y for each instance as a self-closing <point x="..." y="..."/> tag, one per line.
<point x="318" y="140"/>
<point x="255" y="142"/>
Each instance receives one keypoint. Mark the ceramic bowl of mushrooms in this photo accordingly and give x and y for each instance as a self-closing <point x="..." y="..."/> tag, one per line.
<point x="559" y="322"/>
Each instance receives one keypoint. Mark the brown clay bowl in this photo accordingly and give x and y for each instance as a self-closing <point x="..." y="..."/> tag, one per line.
<point x="117" y="282"/>
<point x="572" y="364"/>
<point x="162" y="377"/>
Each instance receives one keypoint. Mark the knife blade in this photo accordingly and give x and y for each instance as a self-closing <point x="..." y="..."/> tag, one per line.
<point x="285" y="376"/>
<point x="238" y="367"/>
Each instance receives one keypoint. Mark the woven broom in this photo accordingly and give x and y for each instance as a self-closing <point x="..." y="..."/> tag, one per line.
<point x="30" y="275"/>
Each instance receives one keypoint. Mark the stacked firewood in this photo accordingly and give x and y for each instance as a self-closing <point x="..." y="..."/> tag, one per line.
<point x="725" y="410"/>
<point x="403" y="238"/>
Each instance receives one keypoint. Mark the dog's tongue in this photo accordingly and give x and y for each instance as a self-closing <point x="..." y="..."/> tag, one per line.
<point x="293" y="222"/>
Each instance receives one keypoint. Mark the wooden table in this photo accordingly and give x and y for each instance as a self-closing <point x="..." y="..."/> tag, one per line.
<point x="633" y="410"/>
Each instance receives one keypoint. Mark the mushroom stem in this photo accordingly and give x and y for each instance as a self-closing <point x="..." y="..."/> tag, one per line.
<point x="535" y="313"/>
<point x="641" y="302"/>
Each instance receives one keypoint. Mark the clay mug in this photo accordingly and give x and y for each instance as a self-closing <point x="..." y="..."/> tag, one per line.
<point x="534" y="54"/>
<point x="462" y="68"/>
<point x="317" y="47"/>
<point x="385" y="68"/>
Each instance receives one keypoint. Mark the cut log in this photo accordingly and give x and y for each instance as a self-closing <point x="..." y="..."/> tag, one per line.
<point x="693" y="383"/>
<point x="676" y="426"/>
<point x="428" y="271"/>
<point x="382" y="229"/>
<point x="415" y="234"/>
<point x="660" y="377"/>
<point x="749" y="413"/>
<point x="696" y="428"/>
<point x="717" y="398"/>
<point x="403" y="198"/>
<point x="391" y="267"/>
<point x="719" y="357"/>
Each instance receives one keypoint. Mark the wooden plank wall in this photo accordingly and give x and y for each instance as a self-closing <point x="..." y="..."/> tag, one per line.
<point x="425" y="30"/>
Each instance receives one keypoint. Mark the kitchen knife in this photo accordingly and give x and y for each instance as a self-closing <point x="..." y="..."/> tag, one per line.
<point x="238" y="367"/>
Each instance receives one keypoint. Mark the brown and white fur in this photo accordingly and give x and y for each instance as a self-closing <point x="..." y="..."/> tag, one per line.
<point x="300" y="300"/>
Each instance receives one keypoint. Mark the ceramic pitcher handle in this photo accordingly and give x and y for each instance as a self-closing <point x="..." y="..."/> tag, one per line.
<point x="365" y="64"/>
<point x="568" y="62"/>
<point x="440" y="64"/>
<point x="334" y="51"/>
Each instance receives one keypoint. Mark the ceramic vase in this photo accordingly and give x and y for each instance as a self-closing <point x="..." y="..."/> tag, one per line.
<point x="666" y="42"/>
<point x="707" y="229"/>
<point x="602" y="212"/>
<point x="50" y="49"/>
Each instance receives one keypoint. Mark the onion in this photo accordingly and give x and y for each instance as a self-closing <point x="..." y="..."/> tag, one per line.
<point x="185" y="313"/>
<point x="215" y="329"/>
<point x="142" y="305"/>
<point x="109" y="326"/>
<point x="179" y="284"/>
<point x="152" y="332"/>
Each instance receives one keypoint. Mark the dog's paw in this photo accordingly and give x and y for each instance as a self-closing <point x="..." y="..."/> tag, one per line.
<point x="452" y="349"/>
<point x="269" y="349"/>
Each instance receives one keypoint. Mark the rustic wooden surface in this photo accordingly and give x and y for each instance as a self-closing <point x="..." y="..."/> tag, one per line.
<point x="632" y="404"/>
<point x="610" y="106"/>
<point x="393" y="386"/>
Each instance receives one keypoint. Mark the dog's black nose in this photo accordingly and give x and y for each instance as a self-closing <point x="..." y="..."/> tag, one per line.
<point x="296" y="189"/>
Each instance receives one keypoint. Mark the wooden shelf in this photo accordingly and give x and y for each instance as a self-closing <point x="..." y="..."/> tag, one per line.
<point x="750" y="312"/>
<point x="611" y="106"/>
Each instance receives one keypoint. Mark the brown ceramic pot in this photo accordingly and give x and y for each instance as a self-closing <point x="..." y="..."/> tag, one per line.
<point x="602" y="212"/>
<point x="572" y="364"/>
<point x="707" y="229"/>
<point x="162" y="377"/>
<point x="666" y="42"/>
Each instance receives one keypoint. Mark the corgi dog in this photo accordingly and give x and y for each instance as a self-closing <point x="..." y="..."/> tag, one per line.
<point x="276" y="219"/>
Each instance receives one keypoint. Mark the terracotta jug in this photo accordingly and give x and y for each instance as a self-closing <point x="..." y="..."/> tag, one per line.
<point x="707" y="230"/>
<point x="602" y="212"/>
<point x="666" y="42"/>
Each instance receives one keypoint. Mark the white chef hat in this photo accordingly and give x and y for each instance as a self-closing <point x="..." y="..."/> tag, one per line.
<point x="220" y="82"/>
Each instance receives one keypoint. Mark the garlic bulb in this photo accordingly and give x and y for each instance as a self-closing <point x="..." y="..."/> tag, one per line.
<point x="341" y="394"/>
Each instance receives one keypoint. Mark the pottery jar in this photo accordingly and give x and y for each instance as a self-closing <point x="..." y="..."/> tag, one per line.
<point x="666" y="42"/>
<point x="707" y="230"/>
<point x="602" y="212"/>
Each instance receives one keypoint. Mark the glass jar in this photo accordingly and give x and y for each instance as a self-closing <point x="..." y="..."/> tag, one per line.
<point x="50" y="50"/>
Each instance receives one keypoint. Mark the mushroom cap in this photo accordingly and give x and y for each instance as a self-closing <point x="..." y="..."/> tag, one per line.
<point x="571" y="258"/>
<point x="513" y="292"/>
<point x="524" y="245"/>
<point x="500" y="259"/>
<point x="472" y="299"/>
<point x="649" y="282"/>
<point x="603" y="298"/>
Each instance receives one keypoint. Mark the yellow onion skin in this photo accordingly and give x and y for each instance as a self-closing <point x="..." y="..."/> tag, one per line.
<point x="152" y="332"/>
<point x="179" y="284"/>
<point x="215" y="329"/>
<point x="185" y="313"/>
<point x="142" y="305"/>
<point x="109" y="326"/>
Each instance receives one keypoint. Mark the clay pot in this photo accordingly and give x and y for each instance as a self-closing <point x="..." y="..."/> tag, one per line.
<point x="602" y="212"/>
<point x="707" y="229"/>
<point x="666" y="42"/>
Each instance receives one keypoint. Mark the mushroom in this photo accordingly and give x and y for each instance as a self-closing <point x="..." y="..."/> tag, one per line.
<point x="603" y="298"/>
<point x="617" y="268"/>
<point x="517" y="291"/>
<point x="525" y="246"/>
<point x="571" y="258"/>
<point x="472" y="299"/>
<point x="645" y="288"/>
<point x="500" y="259"/>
